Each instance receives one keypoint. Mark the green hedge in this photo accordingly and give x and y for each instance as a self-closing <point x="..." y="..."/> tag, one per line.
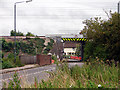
<point x="9" y="62"/>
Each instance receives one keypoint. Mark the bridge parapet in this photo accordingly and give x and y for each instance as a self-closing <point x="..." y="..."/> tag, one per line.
<point x="74" y="39"/>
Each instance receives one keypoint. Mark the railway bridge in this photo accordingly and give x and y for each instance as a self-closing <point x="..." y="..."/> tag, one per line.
<point x="67" y="40"/>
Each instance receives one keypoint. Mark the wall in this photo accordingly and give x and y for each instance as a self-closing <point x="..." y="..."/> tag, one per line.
<point x="43" y="59"/>
<point x="27" y="59"/>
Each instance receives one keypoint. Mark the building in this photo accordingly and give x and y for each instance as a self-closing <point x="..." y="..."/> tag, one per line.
<point x="69" y="48"/>
<point x="60" y="47"/>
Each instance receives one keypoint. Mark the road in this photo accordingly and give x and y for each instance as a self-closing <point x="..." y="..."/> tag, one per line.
<point x="28" y="75"/>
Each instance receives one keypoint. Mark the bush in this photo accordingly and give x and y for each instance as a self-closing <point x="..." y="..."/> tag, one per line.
<point x="51" y="41"/>
<point x="7" y="64"/>
<point x="18" y="63"/>
<point x="92" y="50"/>
<point x="54" y="57"/>
<point x="1" y="54"/>
<point x="103" y="37"/>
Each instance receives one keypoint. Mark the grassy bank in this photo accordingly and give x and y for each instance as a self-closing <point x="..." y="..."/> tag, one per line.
<point x="89" y="76"/>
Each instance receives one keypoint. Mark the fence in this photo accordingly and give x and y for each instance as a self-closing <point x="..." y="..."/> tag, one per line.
<point x="43" y="59"/>
<point x="38" y="59"/>
<point x="28" y="59"/>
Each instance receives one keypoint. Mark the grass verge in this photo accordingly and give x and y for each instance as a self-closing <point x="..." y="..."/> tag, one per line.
<point x="90" y="75"/>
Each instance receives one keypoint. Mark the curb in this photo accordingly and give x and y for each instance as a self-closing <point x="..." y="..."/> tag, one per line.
<point x="2" y="72"/>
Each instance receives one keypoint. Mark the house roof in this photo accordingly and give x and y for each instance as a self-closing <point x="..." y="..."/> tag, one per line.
<point x="70" y="44"/>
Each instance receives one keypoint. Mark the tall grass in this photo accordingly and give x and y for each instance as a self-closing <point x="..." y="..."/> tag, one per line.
<point x="90" y="75"/>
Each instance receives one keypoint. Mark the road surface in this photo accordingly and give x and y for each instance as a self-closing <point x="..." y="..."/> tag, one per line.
<point x="28" y="75"/>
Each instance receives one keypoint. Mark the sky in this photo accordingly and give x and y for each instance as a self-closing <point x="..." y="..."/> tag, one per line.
<point x="42" y="17"/>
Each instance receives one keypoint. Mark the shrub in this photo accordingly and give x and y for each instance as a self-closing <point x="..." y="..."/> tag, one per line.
<point x="103" y="37"/>
<point x="18" y="63"/>
<point x="7" y="64"/>
<point x="54" y="57"/>
<point x="51" y="41"/>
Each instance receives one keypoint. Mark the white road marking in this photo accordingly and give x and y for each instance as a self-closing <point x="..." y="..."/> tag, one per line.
<point x="30" y="74"/>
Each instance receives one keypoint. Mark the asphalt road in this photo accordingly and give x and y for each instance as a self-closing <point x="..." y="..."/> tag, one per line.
<point x="28" y="75"/>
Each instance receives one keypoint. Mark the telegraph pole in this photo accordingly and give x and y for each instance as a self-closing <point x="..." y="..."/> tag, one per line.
<point x="118" y="6"/>
<point x="118" y="13"/>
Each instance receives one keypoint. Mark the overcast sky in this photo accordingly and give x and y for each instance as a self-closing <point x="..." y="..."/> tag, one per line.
<point x="43" y="17"/>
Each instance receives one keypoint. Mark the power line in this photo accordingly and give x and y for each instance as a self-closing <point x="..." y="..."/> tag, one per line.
<point x="48" y="15"/>
<point x="55" y="7"/>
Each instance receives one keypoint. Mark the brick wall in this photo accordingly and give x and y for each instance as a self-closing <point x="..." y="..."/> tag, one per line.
<point x="43" y="59"/>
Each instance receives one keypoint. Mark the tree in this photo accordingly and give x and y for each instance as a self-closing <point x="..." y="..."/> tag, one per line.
<point x="78" y="50"/>
<point x="103" y="37"/>
<point x="29" y="34"/>
<point x="12" y="33"/>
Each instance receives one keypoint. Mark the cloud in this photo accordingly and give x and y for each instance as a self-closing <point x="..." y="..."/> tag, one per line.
<point x="51" y="16"/>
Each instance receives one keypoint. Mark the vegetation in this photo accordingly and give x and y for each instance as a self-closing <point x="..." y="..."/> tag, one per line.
<point x="101" y="54"/>
<point x="55" y="59"/>
<point x="103" y="36"/>
<point x="78" y="50"/>
<point x="90" y="75"/>
<point x="12" y="33"/>
<point x="30" y="46"/>
<point x="9" y="62"/>
<point x="15" y="83"/>
<point x="49" y="46"/>
<point x="29" y="34"/>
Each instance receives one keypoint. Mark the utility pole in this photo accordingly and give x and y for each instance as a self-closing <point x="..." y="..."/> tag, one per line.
<point x="118" y="14"/>
<point x="118" y="6"/>
<point x="15" y="32"/>
<point x="15" y="26"/>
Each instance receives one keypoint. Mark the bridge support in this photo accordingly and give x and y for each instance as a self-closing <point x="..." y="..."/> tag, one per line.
<point x="82" y="50"/>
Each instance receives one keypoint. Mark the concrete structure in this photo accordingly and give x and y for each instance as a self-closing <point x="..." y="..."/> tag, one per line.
<point x="59" y="48"/>
<point x="21" y="37"/>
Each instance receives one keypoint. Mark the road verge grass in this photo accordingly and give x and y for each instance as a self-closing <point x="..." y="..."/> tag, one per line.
<point x="90" y="75"/>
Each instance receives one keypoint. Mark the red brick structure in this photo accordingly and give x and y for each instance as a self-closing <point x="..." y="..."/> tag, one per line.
<point x="43" y="59"/>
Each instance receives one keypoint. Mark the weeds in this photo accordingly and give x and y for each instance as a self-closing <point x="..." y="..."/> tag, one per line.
<point x="15" y="83"/>
<point x="90" y="75"/>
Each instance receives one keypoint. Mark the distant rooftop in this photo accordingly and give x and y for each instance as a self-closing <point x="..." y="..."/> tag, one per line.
<point x="65" y="35"/>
